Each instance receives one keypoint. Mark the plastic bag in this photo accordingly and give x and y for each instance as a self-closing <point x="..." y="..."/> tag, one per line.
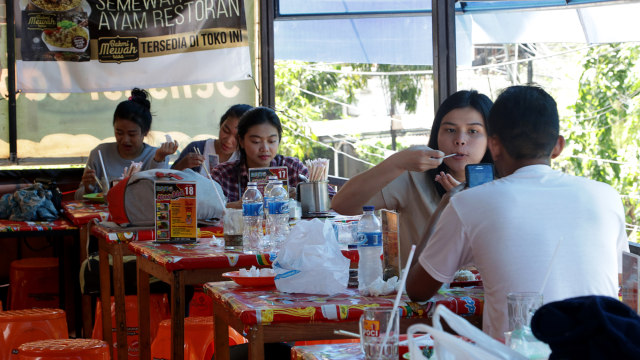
<point x="310" y="261"/>
<point x="448" y="347"/>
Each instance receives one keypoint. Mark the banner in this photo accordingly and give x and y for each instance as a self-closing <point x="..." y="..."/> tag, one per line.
<point x="105" y="45"/>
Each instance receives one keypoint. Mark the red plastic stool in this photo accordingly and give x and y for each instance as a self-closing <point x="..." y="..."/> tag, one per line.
<point x="198" y="339"/>
<point x="64" y="349"/>
<point x="33" y="283"/>
<point x="159" y="310"/>
<point x="200" y="304"/>
<point x="22" y="326"/>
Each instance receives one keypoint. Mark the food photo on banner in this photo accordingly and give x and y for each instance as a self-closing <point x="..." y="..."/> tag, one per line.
<point x="58" y="42"/>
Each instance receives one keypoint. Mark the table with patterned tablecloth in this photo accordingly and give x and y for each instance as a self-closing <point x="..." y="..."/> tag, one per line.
<point x="180" y="265"/>
<point x="268" y="315"/>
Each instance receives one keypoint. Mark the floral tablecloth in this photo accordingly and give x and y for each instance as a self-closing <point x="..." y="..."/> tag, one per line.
<point x="268" y="305"/>
<point x="200" y="255"/>
<point x="144" y="234"/>
<point x="21" y="226"/>
<point x="80" y="212"/>
<point x="351" y="351"/>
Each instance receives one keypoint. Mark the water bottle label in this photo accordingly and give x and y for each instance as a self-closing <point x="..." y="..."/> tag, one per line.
<point x="278" y="207"/>
<point x="370" y="238"/>
<point x="252" y="209"/>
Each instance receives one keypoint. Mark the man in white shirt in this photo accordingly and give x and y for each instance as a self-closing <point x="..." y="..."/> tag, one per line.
<point x="510" y="228"/>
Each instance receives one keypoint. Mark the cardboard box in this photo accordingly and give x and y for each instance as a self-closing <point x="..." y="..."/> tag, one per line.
<point x="176" y="213"/>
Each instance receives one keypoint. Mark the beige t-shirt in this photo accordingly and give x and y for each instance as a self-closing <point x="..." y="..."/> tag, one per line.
<point x="414" y="197"/>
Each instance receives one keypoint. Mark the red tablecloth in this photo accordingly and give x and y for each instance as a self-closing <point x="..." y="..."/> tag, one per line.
<point x="80" y="212"/>
<point x="200" y="255"/>
<point x="17" y="226"/>
<point x="267" y="305"/>
<point x="122" y="236"/>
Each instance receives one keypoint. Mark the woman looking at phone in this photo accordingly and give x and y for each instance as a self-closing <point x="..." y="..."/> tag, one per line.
<point x="414" y="180"/>
<point x="202" y="154"/>
<point x="131" y="123"/>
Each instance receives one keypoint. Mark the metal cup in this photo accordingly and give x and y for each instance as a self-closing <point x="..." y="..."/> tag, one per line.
<point x="314" y="197"/>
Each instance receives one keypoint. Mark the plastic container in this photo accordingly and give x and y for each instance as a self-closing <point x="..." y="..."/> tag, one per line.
<point x="369" y="248"/>
<point x="252" y="214"/>
<point x="278" y="216"/>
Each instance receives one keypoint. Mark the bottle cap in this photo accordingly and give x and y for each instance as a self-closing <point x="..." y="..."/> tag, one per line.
<point x="273" y="177"/>
<point x="252" y="183"/>
<point x="368" y="208"/>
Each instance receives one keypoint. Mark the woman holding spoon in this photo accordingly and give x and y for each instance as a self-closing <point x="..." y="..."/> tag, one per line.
<point x="414" y="180"/>
<point x="131" y="123"/>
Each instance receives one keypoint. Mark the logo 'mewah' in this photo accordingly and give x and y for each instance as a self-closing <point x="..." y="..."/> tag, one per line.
<point x="118" y="49"/>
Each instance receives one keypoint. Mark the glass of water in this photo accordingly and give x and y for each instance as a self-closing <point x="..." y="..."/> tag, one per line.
<point x="373" y="325"/>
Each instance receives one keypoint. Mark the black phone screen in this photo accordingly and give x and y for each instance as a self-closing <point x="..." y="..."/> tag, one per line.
<point x="478" y="174"/>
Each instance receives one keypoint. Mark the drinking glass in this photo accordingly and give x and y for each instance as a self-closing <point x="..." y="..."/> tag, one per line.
<point x="373" y="325"/>
<point x="521" y="306"/>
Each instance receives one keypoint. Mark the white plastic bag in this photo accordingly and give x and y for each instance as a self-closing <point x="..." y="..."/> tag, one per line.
<point x="449" y="347"/>
<point x="310" y="260"/>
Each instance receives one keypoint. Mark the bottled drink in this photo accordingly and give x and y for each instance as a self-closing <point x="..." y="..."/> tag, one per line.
<point x="369" y="248"/>
<point x="265" y="194"/>
<point x="278" y="217"/>
<point x="252" y="217"/>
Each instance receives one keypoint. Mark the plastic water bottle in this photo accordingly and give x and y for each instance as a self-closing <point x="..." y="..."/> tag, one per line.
<point x="278" y="217"/>
<point x="369" y="249"/>
<point x="252" y="214"/>
<point x="265" y="194"/>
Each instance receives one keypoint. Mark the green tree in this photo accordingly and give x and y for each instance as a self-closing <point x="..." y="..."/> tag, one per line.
<point x="603" y="138"/>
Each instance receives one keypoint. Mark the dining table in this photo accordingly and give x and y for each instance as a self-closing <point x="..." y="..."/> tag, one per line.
<point x="266" y="315"/>
<point x="179" y="265"/>
<point x="82" y="214"/>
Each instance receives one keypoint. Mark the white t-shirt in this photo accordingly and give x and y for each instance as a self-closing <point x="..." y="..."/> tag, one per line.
<point x="209" y="153"/>
<point x="510" y="228"/>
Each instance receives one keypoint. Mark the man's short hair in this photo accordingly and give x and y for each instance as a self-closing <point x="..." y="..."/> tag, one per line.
<point x="525" y="120"/>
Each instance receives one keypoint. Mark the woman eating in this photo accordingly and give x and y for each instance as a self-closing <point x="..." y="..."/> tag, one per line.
<point x="131" y="123"/>
<point x="414" y="180"/>
<point x="206" y="154"/>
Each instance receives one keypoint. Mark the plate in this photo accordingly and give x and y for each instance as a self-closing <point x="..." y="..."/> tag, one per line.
<point x="250" y="280"/>
<point x="71" y="49"/>
<point x="95" y="197"/>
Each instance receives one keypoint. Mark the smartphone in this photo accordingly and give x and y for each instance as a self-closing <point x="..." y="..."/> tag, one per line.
<point x="478" y="174"/>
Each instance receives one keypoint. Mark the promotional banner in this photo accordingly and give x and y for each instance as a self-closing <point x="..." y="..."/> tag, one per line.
<point x="104" y="45"/>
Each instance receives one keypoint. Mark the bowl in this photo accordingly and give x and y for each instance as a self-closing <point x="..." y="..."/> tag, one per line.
<point x="84" y="41"/>
<point x="255" y="281"/>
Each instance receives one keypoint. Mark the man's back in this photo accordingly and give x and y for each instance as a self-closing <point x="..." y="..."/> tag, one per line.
<point x="512" y="226"/>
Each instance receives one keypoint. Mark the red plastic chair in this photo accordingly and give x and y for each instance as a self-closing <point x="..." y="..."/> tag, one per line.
<point x="159" y="310"/>
<point x="33" y="283"/>
<point x="198" y="339"/>
<point x="64" y="349"/>
<point x="22" y="326"/>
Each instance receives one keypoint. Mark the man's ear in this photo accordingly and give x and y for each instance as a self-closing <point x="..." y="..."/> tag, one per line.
<point x="557" y="149"/>
<point x="495" y="146"/>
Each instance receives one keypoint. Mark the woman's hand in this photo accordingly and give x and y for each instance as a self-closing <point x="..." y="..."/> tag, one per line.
<point x="88" y="178"/>
<point x="418" y="158"/>
<point x="190" y="160"/>
<point x="447" y="181"/>
<point x="164" y="150"/>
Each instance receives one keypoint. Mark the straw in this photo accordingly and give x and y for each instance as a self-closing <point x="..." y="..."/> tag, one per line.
<point x="553" y="258"/>
<point x="104" y="171"/>
<point x="212" y="182"/>
<point x="346" y="333"/>
<point x="396" y="302"/>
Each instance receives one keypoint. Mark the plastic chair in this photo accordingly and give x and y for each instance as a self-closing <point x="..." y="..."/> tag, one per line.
<point x="200" y="304"/>
<point x="64" y="349"/>
<point x="159" y="310"/>
<point x="198" y="339"/>
<point x="33" y="283"/>
<point x="22" y="326"/>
